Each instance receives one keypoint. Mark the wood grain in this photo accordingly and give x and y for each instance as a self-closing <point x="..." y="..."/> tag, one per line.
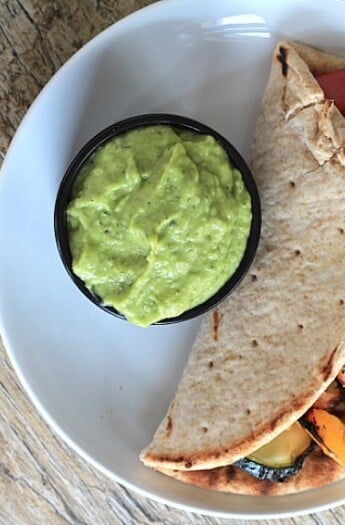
<point x="42" y="481"/>
<point x="36" y="38"/>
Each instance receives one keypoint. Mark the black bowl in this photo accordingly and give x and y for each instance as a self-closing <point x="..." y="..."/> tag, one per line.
<point x="66" y="188"/>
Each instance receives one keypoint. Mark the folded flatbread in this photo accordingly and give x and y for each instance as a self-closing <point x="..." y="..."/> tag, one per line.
<point x="267" y="353"/>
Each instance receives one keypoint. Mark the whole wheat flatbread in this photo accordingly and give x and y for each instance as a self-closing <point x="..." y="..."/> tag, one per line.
<point x="317" y="470"/>
<point x="268" y="352"/>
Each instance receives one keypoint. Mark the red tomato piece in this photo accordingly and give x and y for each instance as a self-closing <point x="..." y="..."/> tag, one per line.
<point x="333" y="85"/>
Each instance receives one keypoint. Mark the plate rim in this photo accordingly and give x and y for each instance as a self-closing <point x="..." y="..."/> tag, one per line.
<point x="47" y="418"/>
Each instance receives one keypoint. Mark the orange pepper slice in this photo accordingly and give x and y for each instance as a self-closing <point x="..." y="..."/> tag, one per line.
<point x="328" y="431"/>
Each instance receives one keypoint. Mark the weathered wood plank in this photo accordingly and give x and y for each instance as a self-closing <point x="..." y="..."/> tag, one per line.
<point x="36" y="38"/>
<point x="42" y="481"/>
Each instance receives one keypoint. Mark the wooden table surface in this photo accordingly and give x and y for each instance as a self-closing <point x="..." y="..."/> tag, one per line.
<point x="42" y="481"/>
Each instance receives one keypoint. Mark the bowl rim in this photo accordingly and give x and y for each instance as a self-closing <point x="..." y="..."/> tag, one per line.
<point x="150" y="119"/>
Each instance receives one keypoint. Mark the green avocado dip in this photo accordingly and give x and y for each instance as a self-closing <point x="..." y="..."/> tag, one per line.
<point x="159" y="220"/>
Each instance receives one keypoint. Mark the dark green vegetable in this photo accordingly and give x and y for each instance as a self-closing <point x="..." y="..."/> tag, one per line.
<point x="281" y="458"/>
<point x="277" y="475"/>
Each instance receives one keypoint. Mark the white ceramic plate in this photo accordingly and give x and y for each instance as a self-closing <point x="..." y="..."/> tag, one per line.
<point x="102" y="384"/>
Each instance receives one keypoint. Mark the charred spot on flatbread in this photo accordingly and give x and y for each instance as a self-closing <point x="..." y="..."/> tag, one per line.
<point x="282" y="57"/>
<point x="216" y="319"/>
<point x="230" y="472"/>
<point x="327" y="369"/>
<point x="169" y="426"/>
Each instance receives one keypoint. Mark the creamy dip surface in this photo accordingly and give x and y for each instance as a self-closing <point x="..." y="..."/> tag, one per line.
<point x="158" y="221"/>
